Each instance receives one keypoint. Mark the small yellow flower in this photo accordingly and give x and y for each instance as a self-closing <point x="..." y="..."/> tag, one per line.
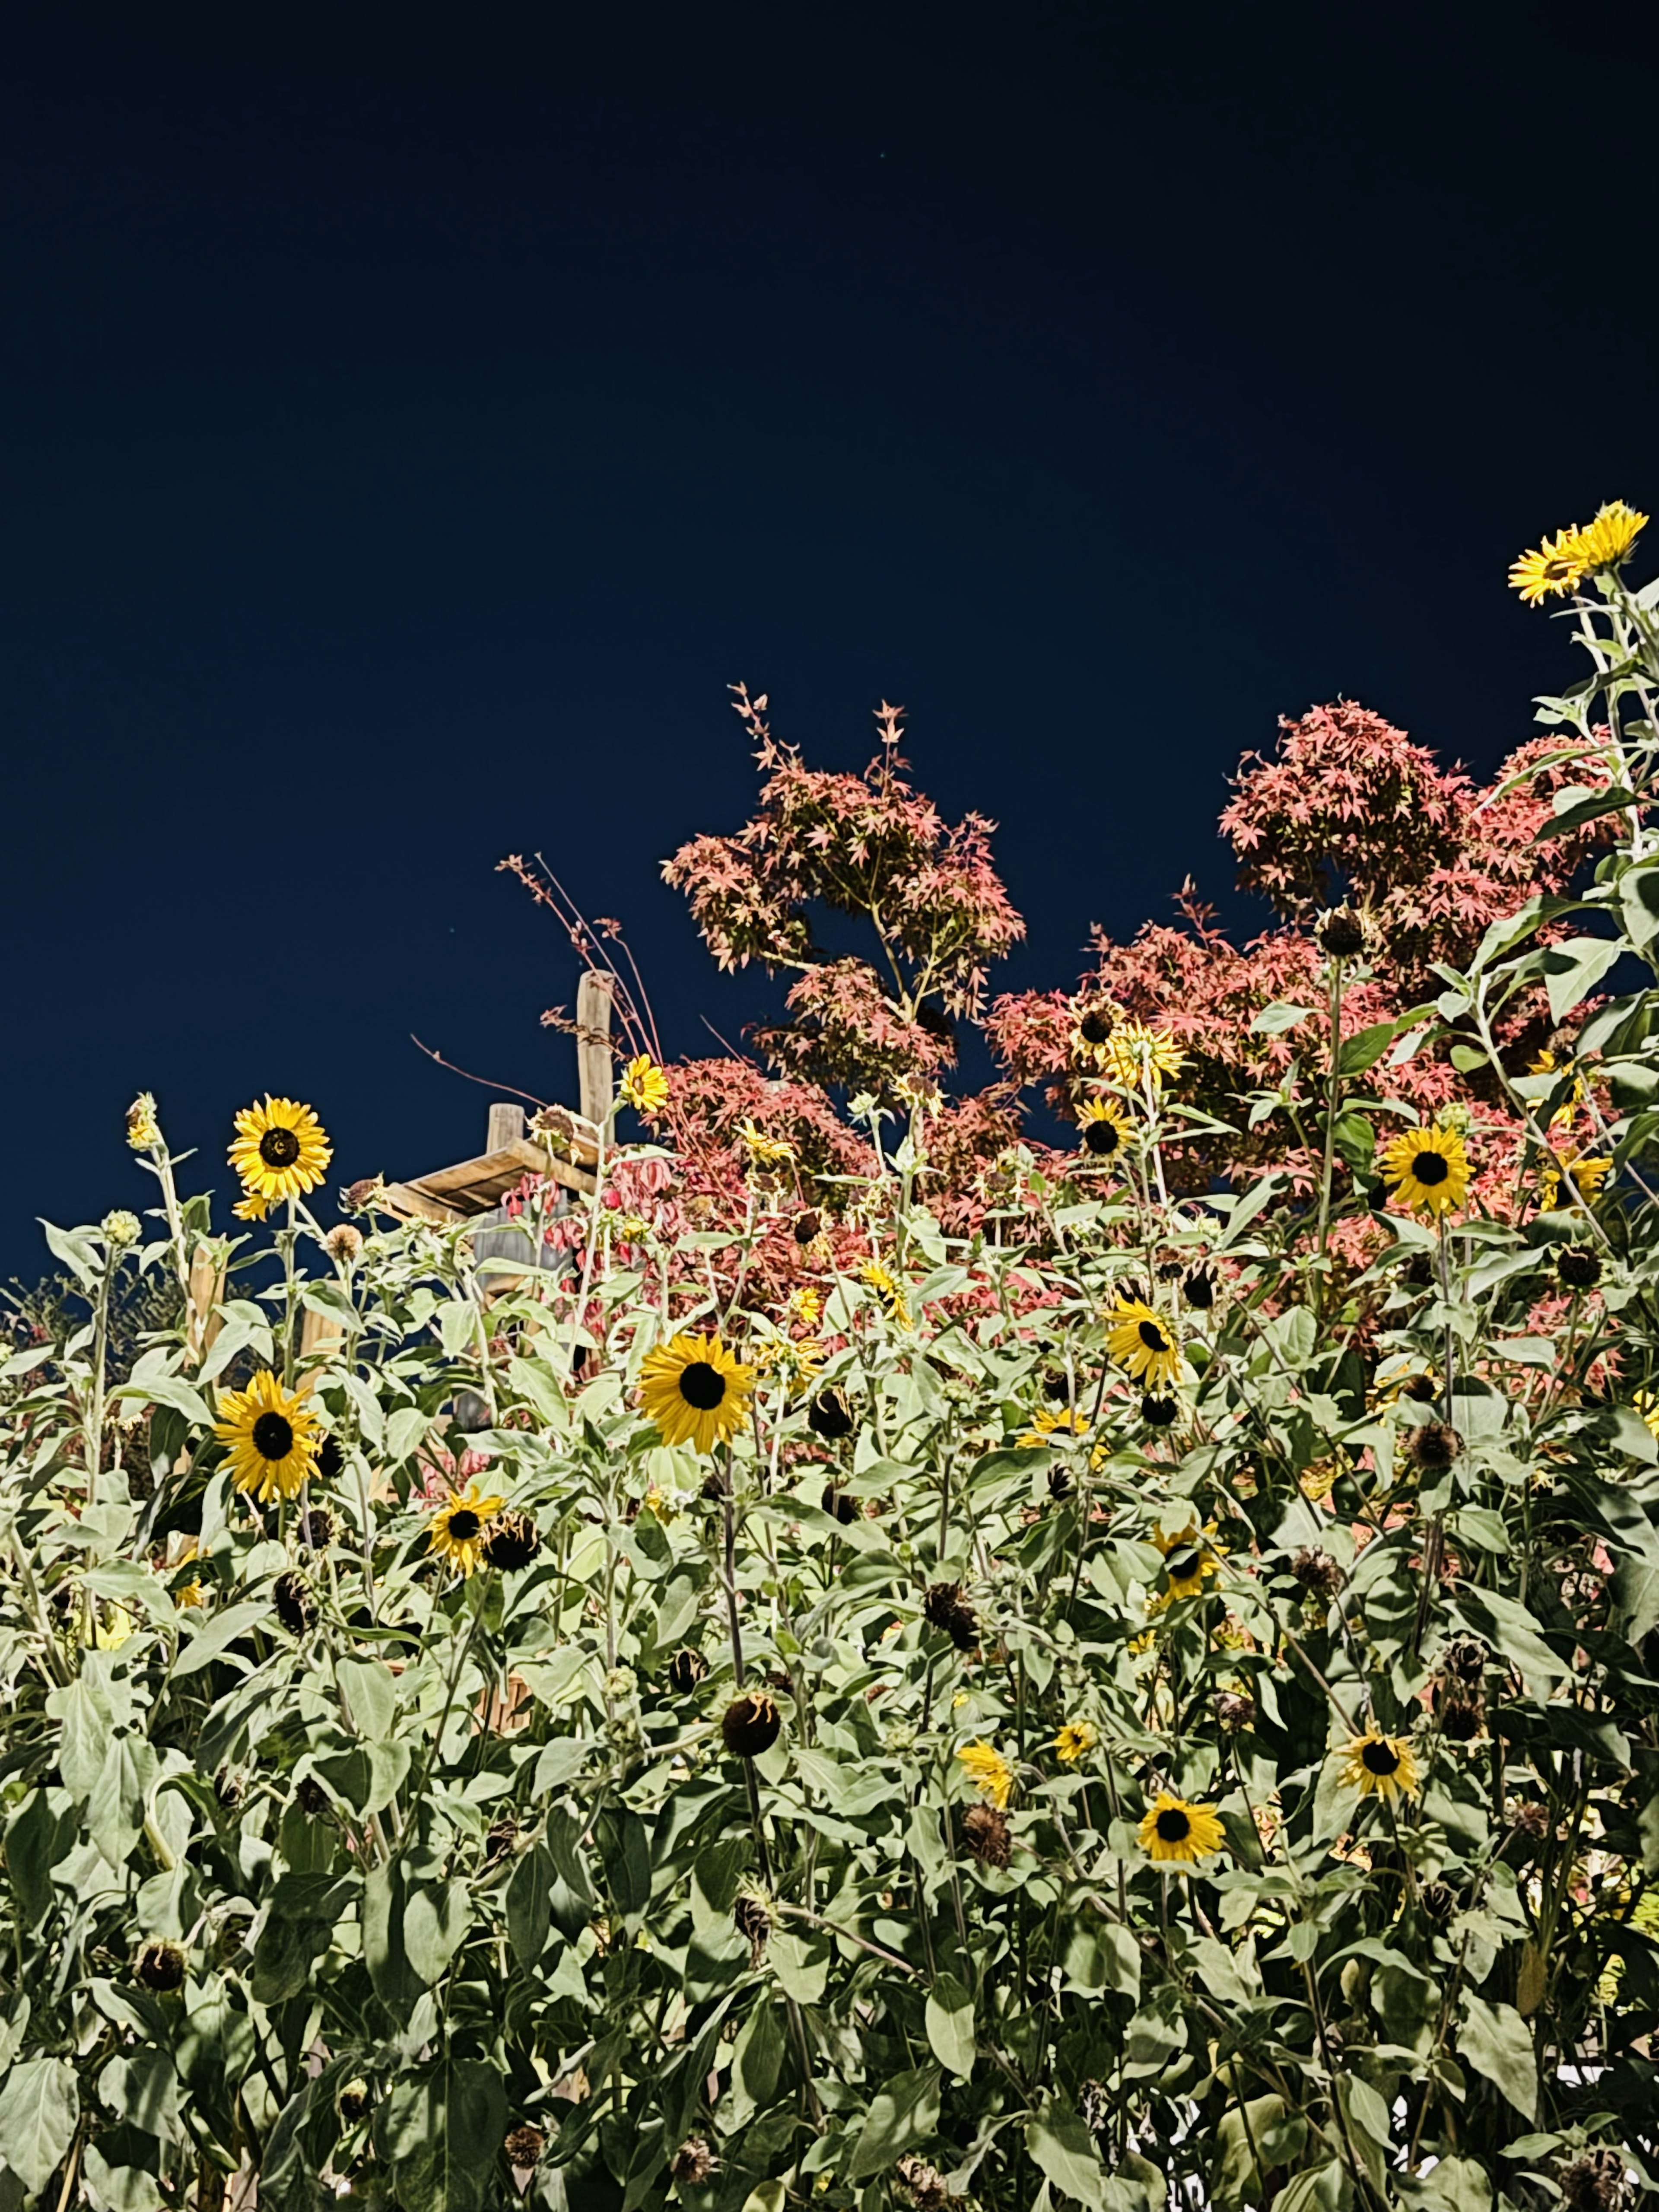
<point x="764" y="1152"/>
<point x="795" y="1361"/>
<point x="695" y="1391"/>
<point x="1429" y="1169"/>
<point x="1137" y="1056"/>
<point x="1175" y="1833"/>
<point x="1191" y="1558"/>
<point x="1053" y="1424"/>
<point x="805" y="1304"/>
<point x="989" y="1772"/>
<point x="1379" y="1765"/>
<point x="961" y="1698"/>
<point x="143" y="1130"/>
<point x="271" y="1438"/>
<point x="1558" y="566"/>
<point x="1144" y="1344"/>
<point x="1141" y="1644"/>
<point x="113" y="1629"/>
<point x="1587" y="1175"/>
<point x="1607" y="542"/>
<point x="1074" y="1739"/>
<point x="459" y="1531"/>
<point x="644" y="1085"/>
<point x="888" y="1296"/>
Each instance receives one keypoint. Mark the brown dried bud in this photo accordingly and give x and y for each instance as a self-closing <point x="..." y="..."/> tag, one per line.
<point x="692" y="2163"/>
<point x="316" y="1525"/>
<point x="1056" y="1389"/>
<point x="1421" y="1390"/>
<point x="752" y="1916"/>
<point x="686" y="1670"/>
<point x="1578" y="1267"/>
<point x="1530" y="1820"/>
<point x="1060" y="1484"/>
<point x="513" y="1542"/>
<point x="1234" y="1710"/>
<point x="1434" y="1446"/>
<point x="1315" y="1570"/>
<point x="829" y="1416"/>
<point x="806" y="1226"/>
<point x="229" y="1787"/>
<point x="1464" y="1660"/>
<point x="345" y="1244"/>
<point x="362" y="1192"/>
<point x="1438" y="1899"/>
<point x="1461" y="1719"/>
<point x="1339" y="932"/>
<point x="985" y="1831"/>
<point x="923" y="2183"/>
<point x="946" y="1608"/>
<point x="161" y="1966"/>
<point x="750" y="1724"/>
<point x="1158" y="1412"/>
<point x="1198" y="1288"/>
<point x="297" y="1607"/>
<point x="837" y="1503"/>
<point x="525" y="2145"/>
<point x="1595" y="2183"/>
<point x="712" y="1486"/>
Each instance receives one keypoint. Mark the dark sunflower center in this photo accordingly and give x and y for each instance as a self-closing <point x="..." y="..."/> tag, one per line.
<point x="1431" y="1168"/>
<point x="1183" y="1562"/>
<point x="1101" y="1138"/>
<point x="1379" y="1759"/>
<point x="464" y="1524"/>
<point x="1153" y="1337"/>
<point x="1173" y="1826"/>
<point x="279" y="1148"/>
<point x="1094" y="1028"/>
<point x="1556" y="568"/>
<point x="273" y="1436"/>
<point x="701" y="1385"/>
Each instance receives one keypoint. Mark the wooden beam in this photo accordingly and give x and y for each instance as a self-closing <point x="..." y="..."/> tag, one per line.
<point x="595" y="1004"/>
<point x="506" y="1126"/>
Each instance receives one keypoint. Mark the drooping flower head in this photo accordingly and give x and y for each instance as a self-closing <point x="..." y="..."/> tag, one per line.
<point x="695" y="1391"/>
<point x="143" y="1130"/>
<point x="271" y="1438"/>
<point x="1175" y="1833"/>
<point x="1379" y="1765"/>
<point x="1429" y="1170"/>
<point x="280" y="1152"/>
<point x="1555" y="567"/>
<point x="1144" y="1344"/>
<point x="460" y="1530"/>
<point x="989" y="1772"/>
<point x="1191" y="1558"/>
<point x="1075" y="1738"/>
<point x="1607" y="541"/>
<point x="1587" y="1177"/>
<point x="888" y="1295"/>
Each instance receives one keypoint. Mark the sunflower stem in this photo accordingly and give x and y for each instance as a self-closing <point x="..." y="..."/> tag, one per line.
<point x="1333" y="1093"/>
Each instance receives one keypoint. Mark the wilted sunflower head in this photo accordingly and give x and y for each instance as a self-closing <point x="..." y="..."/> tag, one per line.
<point x="750" y="1724"/>
<point x="988" y="1771"/>
<point x="695" y="1391"/>
<point x="270" y="1435"/>
<point x="280" y="1152"/>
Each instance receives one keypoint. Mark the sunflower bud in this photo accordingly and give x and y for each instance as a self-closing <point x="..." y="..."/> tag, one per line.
<point x="1438" y="1900"/>
<point x="513" y="1542"/>
<point x="1339" y="934"/>
<point x="1158" y="1412"/>
<point x="143" y="1130"/>
<point x="686" y="1670"/>
<point x="1421" y="1390"/>
<point x="523" y="2145"/>
<point x="752" y="1916"/>
<point x="330" y="1460"/>
<point x="838" y="1503"/>
<point x="161" y="1966"/>
<point x="297" y="1607"/>
<point x="1060" y="1484"/>
<point x="1578" y="1267"/>
<point x="1434" y="1446"/>
<point x="1316" y="1571"/>
<point x="750" y="1724"/>
<point x="828" y="1416"/>
<point x="620" y="1684"/>
<point x="985" y="1831"/>
<point x="692" y="2163"/>
<point x="313" y="1799"/>
<point x="121" y="1229"/>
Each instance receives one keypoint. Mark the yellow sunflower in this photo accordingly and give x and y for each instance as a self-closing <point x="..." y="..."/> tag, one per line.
<point x="1588" y="1176"/>
<point x="803" y="1304"/>
<point x="271" y="1436"/>
<point x="1091" y="1032"/>
<point x="1429" y="1169"/>
<point x="890" y="1297"/>
<point x="1379" y="1765"/>
<point x="459" y="1531"/>
<point x="989" y="1772"/>
<point x="644" y="1085"/>
<point x="1175" y="1833"/>
<point x="1103" y="1129"/>
<point x="1052" y="1425"/>
<point x="1547" y="1064"/>
<point x="280" y="1152"/>
<point x="1135" y="1054"/>
<point x="1191" y="1558"/>
<point x="1144" y="1344"/>
<point x="764" y="1152"/>
<point x="143" y="1130"/>
<point x="1074" y="1739"/>
<point x="794" y="1361"/>
<point x="1607" y="541"/>
<point x="695" y="1391"/>
<point x="1558" y="566"/>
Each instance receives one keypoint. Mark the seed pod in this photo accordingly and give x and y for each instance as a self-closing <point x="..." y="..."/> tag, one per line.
<point x="161" y="1966"/>
<point x="1158" y="1411"/>
<point x="297" y="1607"/>
<point x="692" y="2163"/>
<point x="829" y="1416"/>
<point x="513" y="1542"/>
<point x="1233" y="1711"/>
<point x="750" y="1724"/>
<point x="752" y="1916"/>
<point x="317" y="1525"/>
<point x="686" y="1670"/>
<point x="1434" y="1446"/>
<point x="1578" y="1267"/>
<point x="985" y="1831"/>
<point x="1056" y="1390"/>
<point x="1438" y="1899"/>
<point x="947" y="1608"/>
<point x="1339" y="934"/>
<point x="836" y="1501"/>
<point x="525" y="2145"/>
<point x="1464" y="1659"/>
<point x="1315" y="1570"/>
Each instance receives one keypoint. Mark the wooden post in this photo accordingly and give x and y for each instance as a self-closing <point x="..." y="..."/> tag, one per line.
<point x="506" y="1126"/>
<point x="594" y="1072"/>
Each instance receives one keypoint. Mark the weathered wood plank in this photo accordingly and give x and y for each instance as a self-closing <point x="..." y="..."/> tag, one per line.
<point x="595" y="1003"/>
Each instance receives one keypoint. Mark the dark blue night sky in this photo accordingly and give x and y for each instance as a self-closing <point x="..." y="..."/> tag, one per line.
<point x="417" y="419"/>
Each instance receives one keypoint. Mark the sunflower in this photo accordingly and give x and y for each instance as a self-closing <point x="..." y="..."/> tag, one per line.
<point x="764" y="1152"/>
<point x="1428" y="1168"/>
<point x="271" y="1435"/>
<point x="695" y="1391"/>
<point x="143" y="1130"/>
<point x="1547" y="1064"/>
<point x="1074" y="1739"/>
<point x="280" y="1152"/>
<point x="1136" y="1055"/>
<point x="1103" y="1129"/>
<point x="459" y="1530"/>
<point x="794" y="1361"/>
<point x="1558" y="566"/>
<point x="1055" y="1425"/>
<point x="1144" y="1344"/>
<point x="1379" y="1765"/>
<point x="1607" y="542"/>
<point x="1175" y="1833"/>
<point x="1191" y="1558"/>
<point x="644" y="1085"/>
<point x="112" y="1628"/>
<point x="1091" y="1032"/>
<point x="803" y="1304"/>
<point x="989" y="1772"/>
<point x="1588" y="1178"/>
<point x="890" y="1297"/>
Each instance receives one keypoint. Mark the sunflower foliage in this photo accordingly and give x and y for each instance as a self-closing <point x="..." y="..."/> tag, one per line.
<point x="1151" y="1701"/>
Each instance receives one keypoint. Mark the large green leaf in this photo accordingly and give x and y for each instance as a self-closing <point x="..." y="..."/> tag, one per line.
<point x="40" y="2107"/>
<point x="902" y="2116"/>
<point x="950" y="2020"/>
<point x="1497" y="2044"/>
<point x="441" y="2134"/>
<point x="1062" y="2148"/>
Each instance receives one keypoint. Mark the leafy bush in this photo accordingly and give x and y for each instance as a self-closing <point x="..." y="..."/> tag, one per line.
<point x="888" y="1663"/>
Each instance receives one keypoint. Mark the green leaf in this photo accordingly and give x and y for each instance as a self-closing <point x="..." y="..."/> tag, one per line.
<point x="529" y="1905"/>
<point x="38" y="1835"/>
<point x="115" y="1809"/>
<point x="1497" y="2044"/>
<point x="950" y="2017"/>
<point x="904" y="2114"/>
<point x="802" y="1966"/>
<point x="216" y="1637"/>
<point x="1063" y="2150"/>
<point x="143" y="2087"/>
<point x="384" y="1955"/>
<point x="1274" y="1020"/>
<point x="1468" y="1059"/>
<point x="40" y="2109"/>
<point x="1572" y="970"/>
<point x="436" y="1917"/>
<point x="1365" y="1048"/>
<point x="1639" y="904"/>
<point x="1261" y="2127"/>
<point x="441" y="2135"/>
<point x="1590" y="806"/>
<point x="370" y="1689"/>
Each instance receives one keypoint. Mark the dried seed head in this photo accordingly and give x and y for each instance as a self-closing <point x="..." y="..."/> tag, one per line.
<point x="1438" y="1899"/>
<point x="330" y="1460"/>
<point x="161" y="1966"/>
<point x="692" y="2163"/>
<point x="362" y="1192"/>
<point x="836" y="1501"/>
<point x="1530" y="1820"/>
<point x="1464" y="1660"/>
<point x="513" y="1542"/>
<point x="317" y="1525"/>
<point x="1060" y="1484"/>
<point x="806" y="1226"/>
<point x="1433" y="1446"/>
<point x="1578" y="1267"/>
<point x="345" y="1244"/>
<point x="1158" y="1412"/>
<point x="1056" y="1389"/>
<point x="686" y="1670"/>
<point x="829" y="1417"/>
<point x="985" y="1831"/>
<point x="1460" y="1718"/>
<point x="1595" y="2183"/>
<point x="947" y="1608"/>
<point x="229" y="1787"/>
<point x="750" y="1724"/>
<point x="1316" y="1571"/>
<point x="525" y="2145"/>
<point x="1233" y="1710"/>
<point x="923" y="2185"/>
<point x="752" y="1916"/>
<point x="1421" y="1390"/>
<point x="1339" y="934"/>
<point x="1198" y="1288"/>
<point x="297" y="1607"/>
